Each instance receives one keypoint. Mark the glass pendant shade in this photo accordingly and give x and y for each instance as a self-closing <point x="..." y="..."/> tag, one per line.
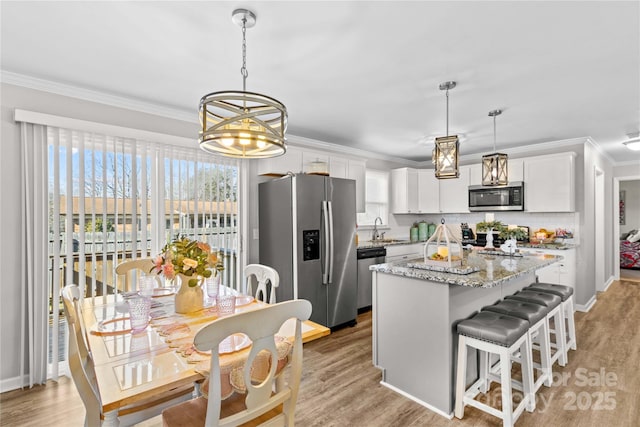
<point x="242" y="124"/>
<point x="495" y="169"/>
<point x="445" y="157"/>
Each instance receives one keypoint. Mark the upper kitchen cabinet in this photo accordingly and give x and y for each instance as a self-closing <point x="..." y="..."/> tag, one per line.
<point x="428" y="192"/>
<point x="454" y="192"/>
<point x="340" y="167"/>
<point x="516" y="172"/>
<point x="291" y="161"/>
<point x="549" y="183"/>
<point x="357" y="170"/>
<point x="404" y="191"/>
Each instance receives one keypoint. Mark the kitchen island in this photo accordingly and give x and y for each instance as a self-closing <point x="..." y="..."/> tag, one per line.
<point x="415" y="312"/>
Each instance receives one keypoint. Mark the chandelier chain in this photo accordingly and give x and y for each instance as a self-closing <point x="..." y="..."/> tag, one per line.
<point x="447" y="95"/>
<point x="494" y="133"/>
<point x="243" y="70"/>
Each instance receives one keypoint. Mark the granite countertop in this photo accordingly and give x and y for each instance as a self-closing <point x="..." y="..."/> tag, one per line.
<point x="494" y="269"/>
<point x="554" y="246"/>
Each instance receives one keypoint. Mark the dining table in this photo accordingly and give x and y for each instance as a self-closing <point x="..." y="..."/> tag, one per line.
<point x="132" y="367"/>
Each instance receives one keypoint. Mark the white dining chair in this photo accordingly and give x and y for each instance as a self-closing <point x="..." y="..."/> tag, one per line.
<point x="132" y="270"/>
<point x="83" y="374"/>
<point x="262" y="274"/>
<point x="260" y="401"/>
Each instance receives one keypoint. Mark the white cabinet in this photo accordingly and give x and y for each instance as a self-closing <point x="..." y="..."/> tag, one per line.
<point x="428" y="192"/>
<point x="549" y="183"/>
<point x="357" y="170"/>
<point x="338" y="167"/>
<point x="291" y="161"/>
<point x="561" y="272"/>
<point x="404" y="191"/>
<point x="454" y="193"/>
<point x="418" y="191"/>
<point x="404" y="252"/>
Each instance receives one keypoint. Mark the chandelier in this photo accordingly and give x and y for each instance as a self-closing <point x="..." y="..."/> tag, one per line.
<point x="445" y="153"/>
<point x="494" y="166"/>
<point x="240" y="123"/>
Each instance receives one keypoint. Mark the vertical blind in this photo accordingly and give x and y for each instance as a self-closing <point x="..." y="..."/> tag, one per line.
<point x="112" y="199"/>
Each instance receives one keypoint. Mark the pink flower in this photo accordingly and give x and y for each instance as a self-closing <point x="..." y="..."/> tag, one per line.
<point x="168" y="271"/>
<point x="204" y="246"/>
<point x="158" y="263"/>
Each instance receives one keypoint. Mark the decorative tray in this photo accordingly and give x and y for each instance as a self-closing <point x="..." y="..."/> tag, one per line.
<point x="515" y="254"/>
<point x="455" y="270"/>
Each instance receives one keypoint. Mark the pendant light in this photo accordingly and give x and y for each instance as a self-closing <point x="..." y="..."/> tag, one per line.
<point x="240" y="123"/>
<point x="445" y="153"/>
<point x="494" y="166"/>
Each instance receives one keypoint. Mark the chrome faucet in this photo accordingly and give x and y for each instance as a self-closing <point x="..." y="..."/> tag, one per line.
<point x="375" y="235"/>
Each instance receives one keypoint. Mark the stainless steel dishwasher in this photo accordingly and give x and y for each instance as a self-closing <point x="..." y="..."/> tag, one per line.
<point x="366" y="258"/>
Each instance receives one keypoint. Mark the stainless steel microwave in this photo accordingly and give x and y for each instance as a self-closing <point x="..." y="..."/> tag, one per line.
<point x="508" y="197"/>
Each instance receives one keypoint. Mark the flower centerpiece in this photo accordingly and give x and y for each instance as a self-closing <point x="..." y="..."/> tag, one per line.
<point x="192" y="262"/>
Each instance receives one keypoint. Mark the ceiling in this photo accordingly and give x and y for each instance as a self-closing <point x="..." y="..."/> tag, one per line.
<point x="361" y="74"/>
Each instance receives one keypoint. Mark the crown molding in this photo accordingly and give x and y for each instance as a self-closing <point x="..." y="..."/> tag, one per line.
<point x="304" y="142"/>
<point x="97" y="96"/>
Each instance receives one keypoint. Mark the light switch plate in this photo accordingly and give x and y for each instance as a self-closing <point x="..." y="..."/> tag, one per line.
<point x="256" y="234"/>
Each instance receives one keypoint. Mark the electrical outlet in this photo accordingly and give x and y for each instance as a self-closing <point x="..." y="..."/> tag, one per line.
<point x="256" y="234"/>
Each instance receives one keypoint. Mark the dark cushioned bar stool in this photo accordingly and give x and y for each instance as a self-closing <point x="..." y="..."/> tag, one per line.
<point x="566" y="293"/>
<point x="504" y="336"/>
<point x="554" y="305"/>
<point x="536" y="315"/>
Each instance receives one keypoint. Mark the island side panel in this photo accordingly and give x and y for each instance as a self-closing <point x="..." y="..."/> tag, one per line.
<point x="412" y="337"/>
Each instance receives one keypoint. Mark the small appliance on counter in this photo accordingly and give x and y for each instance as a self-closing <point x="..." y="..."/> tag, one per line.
<point x="468" y="238"/>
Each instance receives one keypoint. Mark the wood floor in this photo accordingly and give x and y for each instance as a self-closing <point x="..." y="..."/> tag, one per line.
<point x="600" y="386"/>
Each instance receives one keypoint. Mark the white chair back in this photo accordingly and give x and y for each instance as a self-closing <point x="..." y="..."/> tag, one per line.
<point x="262" y="274"/>
<point x="132" y="270"/>
<point x="83" y="373"/>
<point x="80" y="363"/>
<point x="260" y="326"/>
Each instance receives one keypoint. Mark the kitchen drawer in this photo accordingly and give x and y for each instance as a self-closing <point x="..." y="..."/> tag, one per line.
<point x="404" y="252"/>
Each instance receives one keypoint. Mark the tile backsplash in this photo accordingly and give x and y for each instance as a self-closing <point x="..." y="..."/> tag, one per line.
<point x="400" y="224"/>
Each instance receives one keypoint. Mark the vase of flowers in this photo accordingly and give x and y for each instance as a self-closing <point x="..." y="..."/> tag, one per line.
<point x="190" y="262"/>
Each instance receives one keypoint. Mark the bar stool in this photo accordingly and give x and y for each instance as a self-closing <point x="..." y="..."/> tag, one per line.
<point x="566" y="294"/>
<point x="504" y="336"/>
<point x="554" y="305"/>
<point x="536" y="315"/>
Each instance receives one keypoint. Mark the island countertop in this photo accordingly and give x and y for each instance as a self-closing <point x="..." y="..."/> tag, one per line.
<point x="493" y="270"/>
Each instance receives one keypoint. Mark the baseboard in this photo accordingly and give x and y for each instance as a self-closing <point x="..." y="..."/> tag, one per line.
<point x="418" y="401"/>
<point x="14" y="383"/>
<point x="586" y="307"/>
<point x="609" y="282"/>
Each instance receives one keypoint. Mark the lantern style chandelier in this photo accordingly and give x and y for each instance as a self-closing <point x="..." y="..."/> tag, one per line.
<point x="495" y="169"/>
<point x="240" y="123"/>
<point x="445" y="153"/>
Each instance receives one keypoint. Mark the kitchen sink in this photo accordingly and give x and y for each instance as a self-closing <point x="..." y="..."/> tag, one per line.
<point x="387" y="241"/>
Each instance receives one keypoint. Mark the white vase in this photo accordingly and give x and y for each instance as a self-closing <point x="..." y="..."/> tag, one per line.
<point x="489" y="244"/>
<point x="188" y="298"/>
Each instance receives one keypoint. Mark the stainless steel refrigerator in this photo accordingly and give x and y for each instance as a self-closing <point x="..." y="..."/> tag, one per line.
<point x="307" y="228"/>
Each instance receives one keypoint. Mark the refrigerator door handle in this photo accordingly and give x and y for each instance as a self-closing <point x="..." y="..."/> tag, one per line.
<point x="325" y="239"/>
<point x="331" y="245"/>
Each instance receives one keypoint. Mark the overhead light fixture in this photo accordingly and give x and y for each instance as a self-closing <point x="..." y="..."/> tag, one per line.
<point x="634" y="141"/>
<point x="494" y="166"/>
<point x="445" y="153"/>
<point x="240" y="123"/>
